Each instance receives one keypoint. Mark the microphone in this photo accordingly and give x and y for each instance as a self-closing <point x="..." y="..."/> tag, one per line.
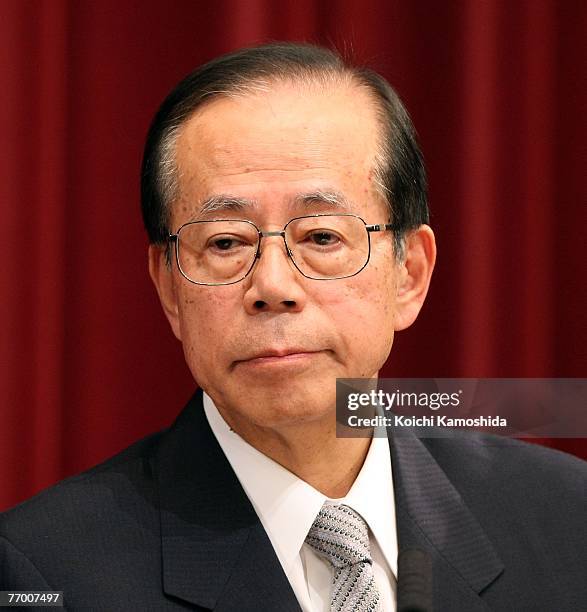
<point x="414" y="581"/>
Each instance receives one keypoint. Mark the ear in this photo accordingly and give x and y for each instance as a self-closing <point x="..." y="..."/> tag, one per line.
<point x="414" y="275"/>
<point x="162" y="276"/>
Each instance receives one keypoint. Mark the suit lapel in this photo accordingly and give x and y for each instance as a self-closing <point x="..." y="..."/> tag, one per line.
<point x="215" y="552"/>
<point x="431" y="515"/>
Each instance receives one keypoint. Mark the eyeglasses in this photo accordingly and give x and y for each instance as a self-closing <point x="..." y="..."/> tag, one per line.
<point x="321" y="247"/>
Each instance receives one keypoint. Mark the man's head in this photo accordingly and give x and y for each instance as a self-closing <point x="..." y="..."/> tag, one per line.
<point x="399" y="170"/>
<point x="265" y="135"/>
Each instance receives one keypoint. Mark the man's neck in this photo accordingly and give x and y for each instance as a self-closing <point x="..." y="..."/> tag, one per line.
<point x="311" y="451"/>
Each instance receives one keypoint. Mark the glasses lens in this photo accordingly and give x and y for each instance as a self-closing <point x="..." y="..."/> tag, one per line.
<point x="328" y="246"/>
<point x="217" y="252"/>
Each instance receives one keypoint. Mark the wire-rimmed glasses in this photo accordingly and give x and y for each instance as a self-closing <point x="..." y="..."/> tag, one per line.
<point x="321" y="247"/>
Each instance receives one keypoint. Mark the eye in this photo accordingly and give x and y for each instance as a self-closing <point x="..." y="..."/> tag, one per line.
<point x="323" y="238"/>
<point x="225" y="244"/>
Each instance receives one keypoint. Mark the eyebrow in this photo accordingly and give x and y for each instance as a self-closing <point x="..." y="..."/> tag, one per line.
<point x="225" y="202"/>
<point x="318" y="197"/>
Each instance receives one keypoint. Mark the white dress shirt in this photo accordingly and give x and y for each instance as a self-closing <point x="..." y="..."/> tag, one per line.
<point x="287" y="507"/>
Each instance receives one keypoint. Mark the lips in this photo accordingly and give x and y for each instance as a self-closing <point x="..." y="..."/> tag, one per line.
<point x="281" y="352"/>
<point x="276" y="354"/>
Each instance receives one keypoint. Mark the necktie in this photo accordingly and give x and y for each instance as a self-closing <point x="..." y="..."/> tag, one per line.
<point x="341" y="536"/>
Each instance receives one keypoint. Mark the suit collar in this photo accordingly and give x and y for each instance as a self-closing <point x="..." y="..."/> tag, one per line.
<point x="215" y="552"/>
<point x="432" y="515"/>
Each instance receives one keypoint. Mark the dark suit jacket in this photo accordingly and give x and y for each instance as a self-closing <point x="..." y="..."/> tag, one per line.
<point x="165" y="525"/>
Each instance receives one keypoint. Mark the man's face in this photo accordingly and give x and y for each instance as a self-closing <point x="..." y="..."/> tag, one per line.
<point x="268" y="349"/>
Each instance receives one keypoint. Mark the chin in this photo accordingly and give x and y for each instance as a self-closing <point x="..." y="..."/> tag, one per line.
<point x="288" y="403"/>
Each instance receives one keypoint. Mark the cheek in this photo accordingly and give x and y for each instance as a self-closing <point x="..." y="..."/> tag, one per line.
<point x="370" y="297"/>
<point x="204" y="321"/>
<point x="363" y="314"/>
<point x="381" y="283"/>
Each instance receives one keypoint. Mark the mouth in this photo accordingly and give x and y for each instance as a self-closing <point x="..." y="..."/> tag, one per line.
<point x="283" y="356"/>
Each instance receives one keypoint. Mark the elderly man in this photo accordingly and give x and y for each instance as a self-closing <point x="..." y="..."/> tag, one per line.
<point x="284" y="196"/>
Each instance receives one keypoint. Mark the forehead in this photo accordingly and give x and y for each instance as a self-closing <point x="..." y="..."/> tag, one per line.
<point x="279" y="144"/>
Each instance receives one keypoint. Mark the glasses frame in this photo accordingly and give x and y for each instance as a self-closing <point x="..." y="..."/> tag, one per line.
<point x="370" y="228"/>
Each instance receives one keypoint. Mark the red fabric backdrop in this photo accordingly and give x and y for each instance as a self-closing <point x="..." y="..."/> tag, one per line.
<point x="87" y="361"/>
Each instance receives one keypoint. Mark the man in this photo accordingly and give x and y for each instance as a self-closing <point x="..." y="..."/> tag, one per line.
<point x="284" y="196"/>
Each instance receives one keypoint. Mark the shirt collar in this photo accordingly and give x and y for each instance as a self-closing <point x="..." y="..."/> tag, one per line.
<point x="287" y="506"/>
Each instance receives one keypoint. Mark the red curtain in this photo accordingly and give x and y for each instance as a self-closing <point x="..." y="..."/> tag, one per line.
<point x="87" y="361"/>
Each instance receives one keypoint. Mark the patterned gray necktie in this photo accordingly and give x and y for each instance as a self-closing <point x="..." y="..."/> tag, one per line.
<point x="341" y="536"/>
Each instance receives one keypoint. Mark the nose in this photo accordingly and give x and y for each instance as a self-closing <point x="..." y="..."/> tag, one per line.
<point x="274" y="285"/>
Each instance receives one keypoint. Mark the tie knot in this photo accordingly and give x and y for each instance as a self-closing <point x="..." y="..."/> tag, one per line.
<point x="340" y="535"/>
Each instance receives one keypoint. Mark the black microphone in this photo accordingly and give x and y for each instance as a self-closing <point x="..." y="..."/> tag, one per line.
<point x="414" y="581"/>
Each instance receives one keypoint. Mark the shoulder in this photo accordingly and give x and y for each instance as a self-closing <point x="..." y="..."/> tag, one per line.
<point x="97" y="498"/>
<point x="489" y="457"/>
<point x="511" y="482"/>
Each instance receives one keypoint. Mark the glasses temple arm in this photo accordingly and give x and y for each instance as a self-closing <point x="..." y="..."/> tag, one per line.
<point x="381" y="227"/>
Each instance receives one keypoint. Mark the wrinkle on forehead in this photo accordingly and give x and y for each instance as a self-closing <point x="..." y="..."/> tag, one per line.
<point x="275" y="153"/>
